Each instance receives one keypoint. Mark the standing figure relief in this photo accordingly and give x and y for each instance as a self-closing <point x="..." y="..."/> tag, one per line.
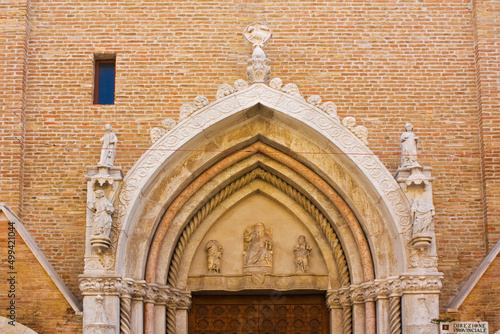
<point x="302" y="252"/>
<point x="214" y="254"/>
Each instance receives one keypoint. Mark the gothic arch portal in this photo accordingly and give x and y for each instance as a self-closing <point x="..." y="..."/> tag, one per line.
<point x="269" y="142"/>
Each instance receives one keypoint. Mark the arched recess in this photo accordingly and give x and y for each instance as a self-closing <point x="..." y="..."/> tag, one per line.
<point x="306" y="148"/>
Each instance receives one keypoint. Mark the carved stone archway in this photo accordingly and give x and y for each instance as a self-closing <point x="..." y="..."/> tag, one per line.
<point x="301" y="149"/>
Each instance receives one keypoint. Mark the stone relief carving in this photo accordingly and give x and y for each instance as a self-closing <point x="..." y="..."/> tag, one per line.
<point x="224" y="90"/>
<point x="257" y="249"/>
<point x="186" y="110"/>
<point x="108" y="151"/>
<point x="315" y="100"/>
<point x="422" y="214"/>
<point x="291" y="89"/>
<point x="214" y="254"/>
<point x="302" y="253"/>
<point x="258" y="69"/>
<point x="103" y="209"/>
<point x="409" y="144"/>
<point x="240" y="84"/>
<point x="101" y="324"/>
<point x="359" y="131"/>
<point x="276" y="83"/>
<point x="166" y="125"/>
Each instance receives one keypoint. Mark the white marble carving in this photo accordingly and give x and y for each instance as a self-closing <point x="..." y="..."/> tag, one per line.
<point x="186" y="110"/>
<point x="200" y="101"/>
<point x="257" y="249"/>
<point x="276" y="83"/>
<point x="166" y="125"/>
<point x="108" y="151"/>
<point x="224" y="90"/>
<point x="214" y="254"/>
<point x="240" y="84"/>
<point x="103" y="209"/>
<point x="330" y="108"/>
<point x="315" y="100"/>
<point x="409" y="148"/>
<point x="258" y="69"/>
<point x="302" y="253"/>
<point x="291" y="89"/>
<point x="360" y="131"/>
<point x="422" y="214"/>
<point x="101" y="324"/>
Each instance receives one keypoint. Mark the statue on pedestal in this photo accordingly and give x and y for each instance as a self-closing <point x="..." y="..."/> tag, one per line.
<point x="409" y="148"/>
<point x="108" y="151"/>
<point x="103" y="209"/>
<point x="422" y="214"/>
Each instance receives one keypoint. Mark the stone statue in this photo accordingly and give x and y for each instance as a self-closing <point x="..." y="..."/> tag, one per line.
<point x="103" y="209"/>
<point x="214" y="254"/>
<point x="409" y="144"/>
<point x="258" y="246"/>
<point x="302" y="252"/>
<point x="422" y="214"/>
<point x="108" y="150"/>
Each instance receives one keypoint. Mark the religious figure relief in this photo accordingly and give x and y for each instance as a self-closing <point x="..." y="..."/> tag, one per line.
<point x="108" y="151"/>
<point x="214" y="254"/>
<point x="101" y="229"/>
<point x="409" y="143"/>
<point x="302" y="252"/>
<point x="257" y="248"/>
<point x="422" y="214"/>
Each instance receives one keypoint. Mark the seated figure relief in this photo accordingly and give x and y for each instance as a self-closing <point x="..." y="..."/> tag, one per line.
<point x="258" y="247"/>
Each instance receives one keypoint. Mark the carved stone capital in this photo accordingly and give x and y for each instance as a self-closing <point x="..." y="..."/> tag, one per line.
<point x="333" y="300"/>
<point x="163" y="296"/>
<point x="182" y="299"/>
<point x="394" y="287"/>
<point x="421" y="283"/>
<point x="100" y="285"/>
<point x="127" y="288"/>
<point x="382" y="289"/>
<point x="139" y="290"/>
<point x="345" y="298"/>
<point x="152" y="291"/>
<point x="369" y="291"/>
<point x="357" y="295"/>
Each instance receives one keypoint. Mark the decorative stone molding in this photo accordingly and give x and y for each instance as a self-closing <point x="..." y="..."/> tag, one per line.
<point x="297" y="108"/>
<point x="357" y="294"/>
<point x="240" y="84"/>
<point x="333" y="299"/>
<point x="93" y="286"/>
<point x="369" y="291"/>
<point x="382" y="289"/>
<point x="292" y="90"/>
<point x="166" y="125"/>
<point x="152" y="292"/>
<point x="224" y="90"/>
<point x="139" y="290"/>
<point x="421" y="284"/>
<point x="100" y="323"/>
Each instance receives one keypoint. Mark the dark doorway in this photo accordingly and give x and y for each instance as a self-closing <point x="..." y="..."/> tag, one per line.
<point x="260" y="314"/>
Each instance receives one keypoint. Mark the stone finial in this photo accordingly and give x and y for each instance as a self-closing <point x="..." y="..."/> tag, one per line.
<point x="108" y="151"/>
<point x="258" y="69"/>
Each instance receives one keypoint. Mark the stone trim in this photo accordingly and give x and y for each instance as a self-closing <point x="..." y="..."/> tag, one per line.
<point x="30" y="242"/>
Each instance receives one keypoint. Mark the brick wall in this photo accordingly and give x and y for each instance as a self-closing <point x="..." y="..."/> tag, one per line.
<point x="383" y="62"/>
<point x="14" y="35"/>
<point x="39" y="303"/>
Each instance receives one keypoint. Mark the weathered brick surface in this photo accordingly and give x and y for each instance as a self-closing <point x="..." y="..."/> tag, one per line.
<point x="383" y="62"/>
<point x="39" y="304"/>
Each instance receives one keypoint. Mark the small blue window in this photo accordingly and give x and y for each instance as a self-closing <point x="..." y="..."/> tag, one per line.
<point x="104" y="92"/>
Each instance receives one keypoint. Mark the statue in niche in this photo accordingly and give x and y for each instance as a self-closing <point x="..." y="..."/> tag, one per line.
<point x="103" y="209"/>
<point x="214" y="254"/>
<point x="409" y="143"/>
<point x="108" y="151"/>
<point x="258" y="246"/>
<point x="302" y="252"/>
<point x="422" y="214"/>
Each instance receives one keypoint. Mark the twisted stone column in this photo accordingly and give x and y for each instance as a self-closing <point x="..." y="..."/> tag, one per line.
<point x="395" y="306"/>
<point x="126" y="292"/>
<point x="345" y="301"/>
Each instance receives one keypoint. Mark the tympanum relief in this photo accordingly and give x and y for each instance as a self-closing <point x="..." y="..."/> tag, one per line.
<point x="257" y="249"/>
<point x="214" y="254"/>
<point x="302" y="253"/>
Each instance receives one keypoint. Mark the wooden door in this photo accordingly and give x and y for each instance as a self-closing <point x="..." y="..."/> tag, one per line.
<point x="263" y="314"/>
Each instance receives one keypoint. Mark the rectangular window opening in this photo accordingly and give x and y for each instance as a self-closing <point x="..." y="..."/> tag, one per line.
<point x="104" y="81"/>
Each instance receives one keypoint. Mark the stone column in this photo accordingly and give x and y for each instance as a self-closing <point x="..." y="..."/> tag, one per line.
<point x="370" y="314"/>
<point x="345" y="301"/>
<point x="137" y="314"/>
<point x="183" y="306"/>
<point x="382" y="297"/>
<point x="149" y="308"/>
<point x="358" y="309"/>
<point x="161" y="310"/>
<point x="420" y="303"/>
<point x="126" y="306"/>
<point x="333" y="304"/>
<point x="101" y="303"/>
<point x="395" y="306"/>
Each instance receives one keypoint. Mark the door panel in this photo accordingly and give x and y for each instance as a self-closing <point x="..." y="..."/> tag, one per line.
<point x="300" y="314"/>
